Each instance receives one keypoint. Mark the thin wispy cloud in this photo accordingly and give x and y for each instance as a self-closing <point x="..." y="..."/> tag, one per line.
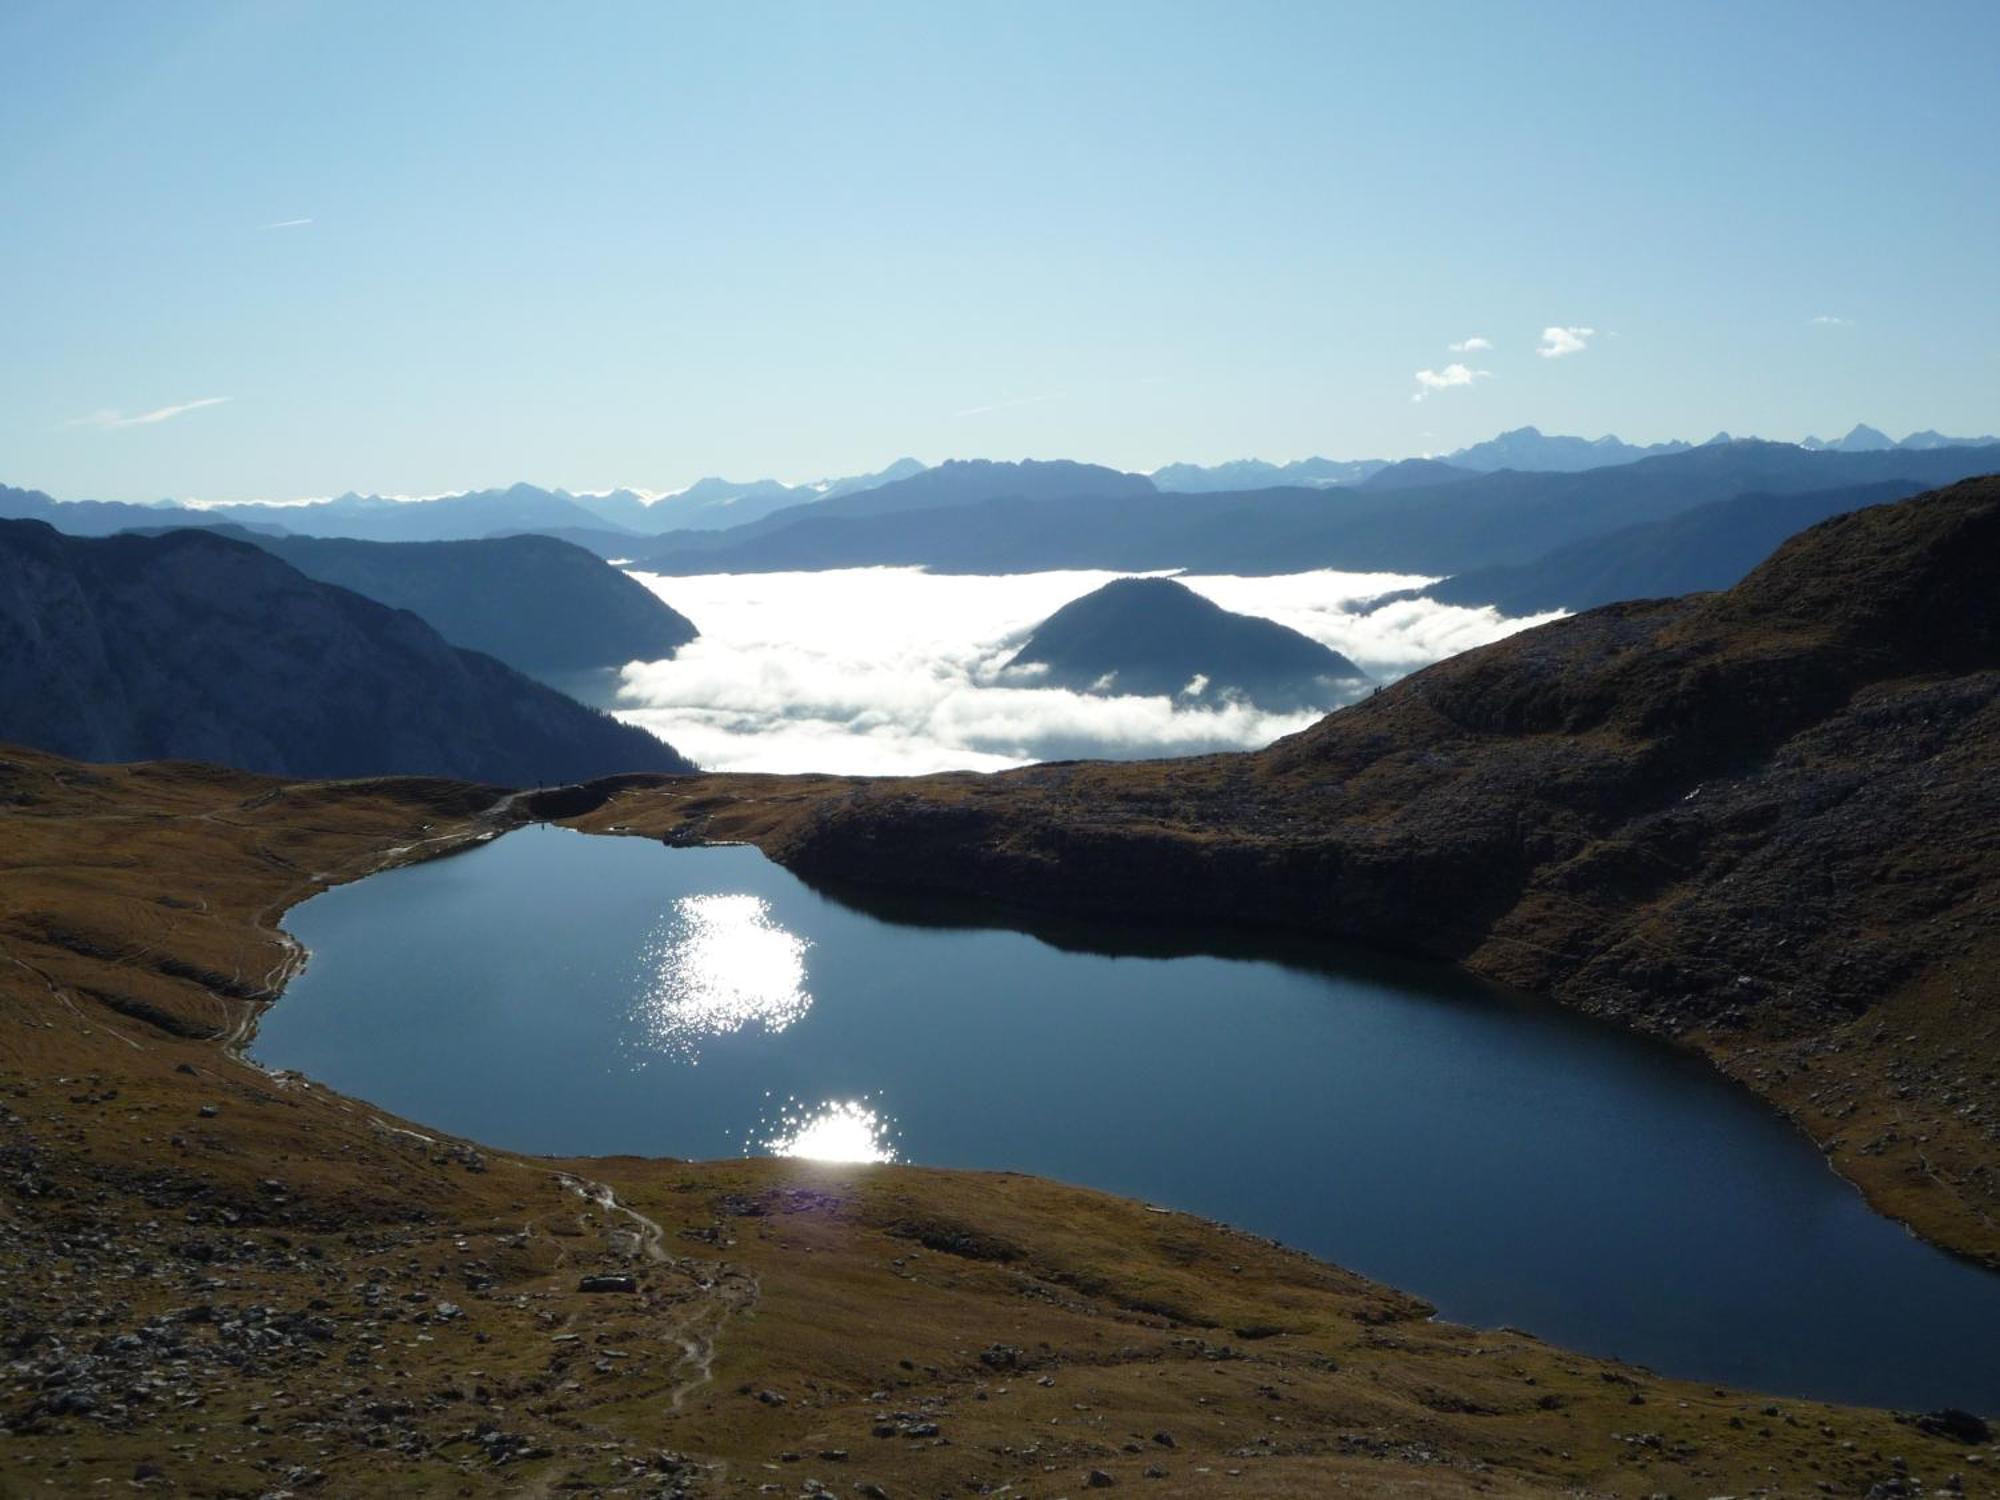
<point x="110" y="419"/>
<point x="980" y="411"/>
<point x="289" y="224"/>
<point x="1828" y="320"/>
<point x="1449" y="378"/>
<point x="1557" y="342"/>
<point x="1473" y="345"/>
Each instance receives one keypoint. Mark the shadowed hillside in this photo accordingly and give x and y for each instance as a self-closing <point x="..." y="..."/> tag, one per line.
<point x="194" y="646"/>
<point x="536" y="603"/>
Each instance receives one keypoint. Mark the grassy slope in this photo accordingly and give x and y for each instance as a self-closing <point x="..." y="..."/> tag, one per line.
<point x="136" y="916"/>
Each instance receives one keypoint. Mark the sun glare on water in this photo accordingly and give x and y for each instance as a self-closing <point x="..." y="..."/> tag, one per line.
<point x="839" y="1130"/>
<point x="717" y="964"/>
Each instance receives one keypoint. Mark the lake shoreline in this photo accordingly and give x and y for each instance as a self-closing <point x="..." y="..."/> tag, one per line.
<point x="773" y="812"/>
<point x="940" y="1288"/>
<point x="1697" y="1196"/>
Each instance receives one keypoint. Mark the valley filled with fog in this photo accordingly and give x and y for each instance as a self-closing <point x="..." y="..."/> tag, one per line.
<point x="886" y="671"/>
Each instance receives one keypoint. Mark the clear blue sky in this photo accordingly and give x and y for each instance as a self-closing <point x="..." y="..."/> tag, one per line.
<point x="634" y="244"/>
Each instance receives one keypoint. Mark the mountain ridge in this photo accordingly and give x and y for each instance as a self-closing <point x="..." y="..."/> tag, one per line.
<point x="535" y="602"/>
<point x="194" y="646"/>
<point x="1444" y="526"/>
<point x="1711" y="546"/>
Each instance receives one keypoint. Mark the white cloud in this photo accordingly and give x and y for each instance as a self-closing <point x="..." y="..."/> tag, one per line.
<point x="289" y="224"/>
<point x="1556" y="342"/>
<point x="143" y="419"/>
<point x="893" y="670"/>
<point x="1473" y="345"/>
<point x="1443" y="380"/>
<point x="1828" y="320"/>
<point x="980" y="411"/>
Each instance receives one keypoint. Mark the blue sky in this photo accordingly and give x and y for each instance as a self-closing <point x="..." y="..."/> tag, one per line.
<point x="421" y="248"/>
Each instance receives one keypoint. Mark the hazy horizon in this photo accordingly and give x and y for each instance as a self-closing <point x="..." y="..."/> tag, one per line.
<point x="652" y="493"/>
<point x="274" y="251"/>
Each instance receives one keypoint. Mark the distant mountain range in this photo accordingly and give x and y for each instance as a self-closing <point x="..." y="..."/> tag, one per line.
<point x="1504" y="518"/>
<point x="622" y="523"/>
<point x="711" y="504"/>
<point x="194" y="646"/>
<point x="1255" y="474"/>
<point x="1443" y="520"/>
<point x="1524" y="448"/>
<point x="953" y="484"/>
<point x="1709" y="547"/>
<point x="1157" y="638"/>
<point x="611" y="522"/>
<point x="104" y="517"/>
<point x="1865" y="439"/>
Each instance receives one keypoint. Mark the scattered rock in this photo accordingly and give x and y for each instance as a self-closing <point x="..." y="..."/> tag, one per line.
<point x="1959" y="1426"/>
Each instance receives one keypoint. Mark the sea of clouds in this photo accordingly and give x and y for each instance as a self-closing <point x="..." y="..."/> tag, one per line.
<point x="893" y="671"/>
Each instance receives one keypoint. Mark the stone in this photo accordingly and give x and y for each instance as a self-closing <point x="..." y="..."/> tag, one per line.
<point x="1959" y="1426"/>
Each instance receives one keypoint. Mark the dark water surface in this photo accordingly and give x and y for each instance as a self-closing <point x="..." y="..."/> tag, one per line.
<point x="1515" y="1164"/>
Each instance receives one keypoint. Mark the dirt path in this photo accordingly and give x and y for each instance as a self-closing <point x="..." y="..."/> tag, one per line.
<point x="725" y="1290"/>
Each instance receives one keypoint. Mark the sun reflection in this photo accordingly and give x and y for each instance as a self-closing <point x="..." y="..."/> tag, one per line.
<point x="839" y="1130"/>
<point x="714" y="966"/>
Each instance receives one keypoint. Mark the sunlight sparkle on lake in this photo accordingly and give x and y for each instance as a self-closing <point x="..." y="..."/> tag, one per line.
<point x="840" y="1130"/>
<point x="717" y="964"/>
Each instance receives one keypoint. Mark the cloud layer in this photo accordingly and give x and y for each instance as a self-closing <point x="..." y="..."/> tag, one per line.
<point x="895" y="671"/>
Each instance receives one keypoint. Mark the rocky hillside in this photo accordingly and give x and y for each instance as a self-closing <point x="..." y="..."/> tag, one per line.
<point x="194" y="646"/>
<point x="538" y="604"/>
<point x="1761" y="822"/>
<point x="1156" y="637"/>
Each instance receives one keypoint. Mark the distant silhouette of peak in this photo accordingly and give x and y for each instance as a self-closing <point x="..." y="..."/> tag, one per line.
<point x="1862" y="438"/>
